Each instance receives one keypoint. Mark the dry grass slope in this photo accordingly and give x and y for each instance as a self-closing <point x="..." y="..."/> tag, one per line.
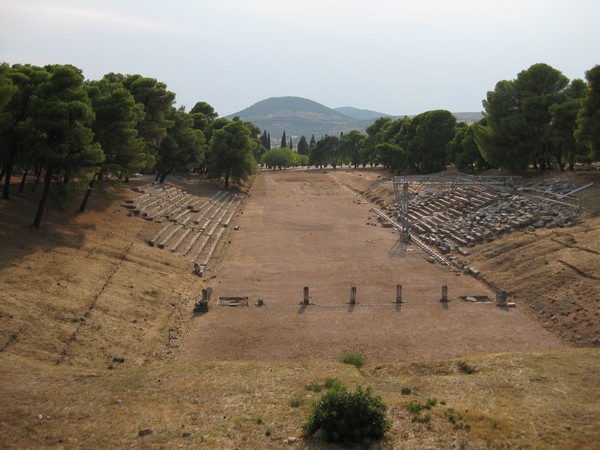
<point x="88" y="289"/>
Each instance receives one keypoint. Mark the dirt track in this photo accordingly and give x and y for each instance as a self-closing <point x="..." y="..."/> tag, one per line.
<point x="307" y="229"/>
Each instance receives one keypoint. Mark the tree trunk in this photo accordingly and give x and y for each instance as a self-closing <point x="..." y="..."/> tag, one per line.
<point x="89" y="191"/>
<point x="165" y="174"/>
<point x="23" y="180"/>
<point x="38" y="176"/>
<point x="226" y="181"/>
<point x="45" y="196"/>
<point x="8" y="174"/>
<point x="157" y="176"/>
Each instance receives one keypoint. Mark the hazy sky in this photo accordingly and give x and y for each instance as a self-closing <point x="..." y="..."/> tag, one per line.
<point x="391" y="56"/>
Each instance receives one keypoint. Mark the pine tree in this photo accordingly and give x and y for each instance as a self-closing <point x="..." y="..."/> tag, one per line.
<point x="313" y="142"/>
<point x="283" y="140"/>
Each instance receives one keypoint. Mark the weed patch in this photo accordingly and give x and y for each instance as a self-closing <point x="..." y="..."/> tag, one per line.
<point x="353" y="358"/>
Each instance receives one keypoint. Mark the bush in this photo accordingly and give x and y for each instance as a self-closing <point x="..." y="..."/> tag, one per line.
<point x="296" y="402"/>
<point x="348" y="417"/>
<point x="354" y="358"/>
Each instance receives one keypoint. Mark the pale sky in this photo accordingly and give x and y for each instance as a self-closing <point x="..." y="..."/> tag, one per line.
<point x="392" y="56"/>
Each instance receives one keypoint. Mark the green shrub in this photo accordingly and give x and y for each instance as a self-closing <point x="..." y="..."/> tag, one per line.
<point x="313" y="386"/>
<point x="296" y="402"/>
<point x="348" y="417"/>
<point x="430" y="402"/>
<point x="331" y="382"/>
<point x="414" y="407"/>
<point x="354" y="358"/>
<point x="405" y="390"/>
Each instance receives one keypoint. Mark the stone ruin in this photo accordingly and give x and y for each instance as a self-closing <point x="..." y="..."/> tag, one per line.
<point x="453" y="218"/>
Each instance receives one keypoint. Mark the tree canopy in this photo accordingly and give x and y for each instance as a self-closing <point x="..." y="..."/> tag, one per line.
<point x="588" y="119"/>
<point x="518" y="115"/>
<point x="232" y="152"/>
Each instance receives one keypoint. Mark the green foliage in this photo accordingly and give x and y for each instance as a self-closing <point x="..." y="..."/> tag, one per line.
<point x="414" y="407"/>
<point x="456" y="420"/>
<point x="518" y="117"/>
<point x="348" y="417"/>
<point x="588" y="119"/>
<point x="280" y="158"/>
<point x="353" y="358"/>
<point x="351" y="145"/>
<point x="421" y="419"/>
<point x="157" y="101"/>
<point x="327" y="151"/>
<point x="115" y="126"/>
<point x="405" y="390"/>
<point x="296" y="402"/>
<point x="283" y="140"/>
<point x="61" y="114"/>
<point x="232" y="152"/>
<point x="331" y="382"/>
<point x="419" y="144"/>
<point x="303" y="148"/>
<point x="183" y="147"/>
<point x="315" y="386"/>
<point x="463" y="150"/>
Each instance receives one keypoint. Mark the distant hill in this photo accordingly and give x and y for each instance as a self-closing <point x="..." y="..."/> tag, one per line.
<point x="299" y="116"/>
<point x="361" y="114"/>
<point x="468" y="117"/>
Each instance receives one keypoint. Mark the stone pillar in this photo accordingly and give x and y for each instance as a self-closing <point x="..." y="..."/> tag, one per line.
<point x="353" y="295"/>
<point x="305" y="301"/>
<point x="501" y="298"/>
<point x="444" y="294"/>
<point x="398" y="293"/>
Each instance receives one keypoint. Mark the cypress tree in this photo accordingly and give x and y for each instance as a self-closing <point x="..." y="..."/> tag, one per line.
<point x="264" y="140"/>
<point x="303" y="146"/>
<point x="313" y="142"/>
<point x="283" y="140"/>
<point x="291" y="143"/>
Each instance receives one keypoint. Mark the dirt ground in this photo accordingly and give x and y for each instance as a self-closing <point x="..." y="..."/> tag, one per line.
<point x="308" y="228"/>
<point x="87" y="308"/>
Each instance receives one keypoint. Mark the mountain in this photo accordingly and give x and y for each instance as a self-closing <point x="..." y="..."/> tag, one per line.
<point x="361" y="114"/>
<point x="298" y="116"/>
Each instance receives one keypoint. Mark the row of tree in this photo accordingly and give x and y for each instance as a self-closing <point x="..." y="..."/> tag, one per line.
<point x="69" y="131"/>
<point x="66" y="130"/>
<point x="540" y="119"/>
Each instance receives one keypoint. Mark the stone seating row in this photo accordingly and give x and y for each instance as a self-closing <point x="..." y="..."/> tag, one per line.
<point x="459" y="218"/>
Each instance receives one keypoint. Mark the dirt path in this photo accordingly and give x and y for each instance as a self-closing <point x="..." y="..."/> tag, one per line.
<point x="307" y="229"/>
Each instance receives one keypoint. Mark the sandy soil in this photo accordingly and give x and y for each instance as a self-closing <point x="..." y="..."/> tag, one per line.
<point x="307" y="228"/>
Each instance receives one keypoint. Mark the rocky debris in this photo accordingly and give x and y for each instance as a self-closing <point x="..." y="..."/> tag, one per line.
<point x="455" y="219"/>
